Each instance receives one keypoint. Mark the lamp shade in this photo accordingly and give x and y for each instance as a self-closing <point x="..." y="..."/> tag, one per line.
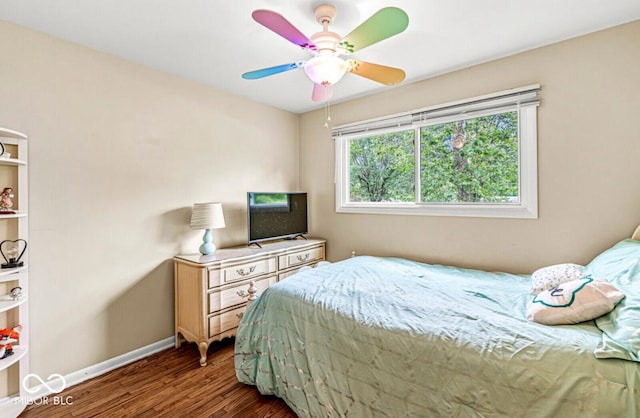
<point x="207" y="216"/>
<point x="325" y="70"/>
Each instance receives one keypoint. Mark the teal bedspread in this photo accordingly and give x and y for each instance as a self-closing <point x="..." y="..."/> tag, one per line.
<point x="389" y="337"/>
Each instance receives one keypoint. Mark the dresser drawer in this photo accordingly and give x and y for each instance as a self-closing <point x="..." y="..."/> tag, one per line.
<point x="224" y="275"/>
<point x="238" y="294"/>
<point x="300" y="257"/>
<point x="226" y="321"/>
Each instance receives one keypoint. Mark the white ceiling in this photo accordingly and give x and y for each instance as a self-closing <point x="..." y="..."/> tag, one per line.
<point x="215" y="41"/>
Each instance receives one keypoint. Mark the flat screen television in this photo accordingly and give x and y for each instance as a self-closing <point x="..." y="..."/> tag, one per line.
<point x="276" y="215"/>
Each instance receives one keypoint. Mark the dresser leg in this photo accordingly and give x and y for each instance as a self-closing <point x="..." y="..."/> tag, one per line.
<point x="203" y="347"/>
<point x="178" y="340"/>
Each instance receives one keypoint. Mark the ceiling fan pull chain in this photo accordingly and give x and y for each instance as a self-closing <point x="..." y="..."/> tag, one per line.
<point x="327" y="113"/>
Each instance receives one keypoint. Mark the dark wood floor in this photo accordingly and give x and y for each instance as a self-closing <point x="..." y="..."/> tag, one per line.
<point x="168" y="384"/>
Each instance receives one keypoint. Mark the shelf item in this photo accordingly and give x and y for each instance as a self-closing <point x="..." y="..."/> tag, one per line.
<point x="211" y="292"/>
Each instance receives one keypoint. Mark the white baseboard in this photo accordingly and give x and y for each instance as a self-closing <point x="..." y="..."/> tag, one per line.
<point x="106" y="366"/>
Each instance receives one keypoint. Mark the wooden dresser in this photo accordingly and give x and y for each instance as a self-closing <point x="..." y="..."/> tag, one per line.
<point x="211" y="291"/>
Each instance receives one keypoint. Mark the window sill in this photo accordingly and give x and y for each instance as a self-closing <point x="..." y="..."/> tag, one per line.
<point x="477" y="210"/>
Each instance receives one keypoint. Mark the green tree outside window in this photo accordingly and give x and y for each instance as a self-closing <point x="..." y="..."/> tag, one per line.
<point x="472" y="160"/>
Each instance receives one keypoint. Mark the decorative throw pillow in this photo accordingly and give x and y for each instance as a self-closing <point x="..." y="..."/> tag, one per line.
<point x="574" y="302"/>
<point x="551" y="276"/>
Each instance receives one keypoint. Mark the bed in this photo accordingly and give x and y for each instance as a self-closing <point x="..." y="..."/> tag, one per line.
<point x="373" y="336"/>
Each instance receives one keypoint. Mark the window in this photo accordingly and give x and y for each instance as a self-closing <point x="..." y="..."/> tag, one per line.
<point x="471" y="158"/>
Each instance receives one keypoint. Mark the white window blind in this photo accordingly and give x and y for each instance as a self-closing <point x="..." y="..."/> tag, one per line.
<point x="523" y="96"/>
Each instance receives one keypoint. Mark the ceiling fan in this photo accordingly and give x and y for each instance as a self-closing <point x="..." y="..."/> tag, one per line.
<point x="325" y="67"/>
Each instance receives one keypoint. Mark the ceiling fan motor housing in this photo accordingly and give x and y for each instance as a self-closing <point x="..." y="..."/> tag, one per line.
<point x="325" y="13"/>
<point x="326" y="41"/>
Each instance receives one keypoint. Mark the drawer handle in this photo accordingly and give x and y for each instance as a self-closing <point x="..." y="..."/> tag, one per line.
<point x="303" y="258"/>
<point x="242" y="293"/>
<point x="240" y="315"/>
<point x="244" y="272"/>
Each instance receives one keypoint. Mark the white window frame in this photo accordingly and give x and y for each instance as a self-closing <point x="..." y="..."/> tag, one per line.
<point x="526" y="207"/>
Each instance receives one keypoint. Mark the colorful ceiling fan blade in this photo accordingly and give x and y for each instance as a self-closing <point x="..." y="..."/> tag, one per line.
<point x="321" y="93"/>
<point x="376" y="72"/>
<point x="265" y="72"/>
<point x="384" y="24"/>
<point x="278" y="24"/>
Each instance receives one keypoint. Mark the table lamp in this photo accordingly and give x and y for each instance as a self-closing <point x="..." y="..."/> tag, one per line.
<point x="207" y="216"/>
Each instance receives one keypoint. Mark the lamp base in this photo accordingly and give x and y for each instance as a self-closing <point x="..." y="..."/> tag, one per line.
<point x="207" y="247"/>
<point x="12" y="264"/>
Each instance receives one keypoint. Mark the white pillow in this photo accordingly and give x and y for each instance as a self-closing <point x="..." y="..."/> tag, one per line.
<point x="574" y="302"/>
<point x="551" y="276"/>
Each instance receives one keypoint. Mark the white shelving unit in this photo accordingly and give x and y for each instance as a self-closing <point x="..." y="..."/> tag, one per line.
<point x="15" y="367"/>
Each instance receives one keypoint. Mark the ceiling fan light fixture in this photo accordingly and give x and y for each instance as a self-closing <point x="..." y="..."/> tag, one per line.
<point x="325" y="70"/>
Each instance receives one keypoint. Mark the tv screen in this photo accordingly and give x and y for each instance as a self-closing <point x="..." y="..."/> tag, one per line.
<point x="276" y="215"/>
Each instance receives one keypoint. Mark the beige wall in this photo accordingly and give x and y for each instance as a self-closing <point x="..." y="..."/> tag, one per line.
<point x="118" y="154"/>
<point x="588" y="171"/>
